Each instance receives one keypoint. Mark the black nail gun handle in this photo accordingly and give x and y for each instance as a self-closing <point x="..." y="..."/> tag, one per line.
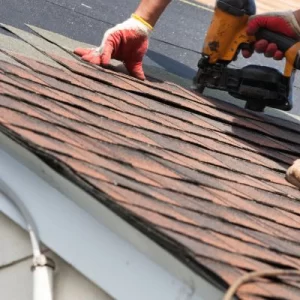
<point x="283" y="42"/>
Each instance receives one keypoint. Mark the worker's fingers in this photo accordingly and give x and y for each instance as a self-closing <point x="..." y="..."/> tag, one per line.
<point x="255" y="24"/>
<point x="246" y="53"/>
<point x="107" y="53"/>
<point x="82" y="51"/>
<point x="135" y="69"/>
<point x="261" y="46"/>
<point x="126" y="42"/>
<point x="279" y="55"/>
<point x="88" y="57"/>
<point x="92" y="57"/>
<point x="96" y="59"/>
<point x="271" y="50"/>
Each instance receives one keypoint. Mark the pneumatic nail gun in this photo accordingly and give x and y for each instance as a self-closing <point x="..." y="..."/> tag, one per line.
<point x="259" y="86"/>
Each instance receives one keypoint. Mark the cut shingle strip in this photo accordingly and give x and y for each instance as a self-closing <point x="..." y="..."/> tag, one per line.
<point x="219" y="137"/>
<point x="217" y="125"/>
<point x="206" y="180"/>
<point x="22" y="84"/>
<point x="262" y="119"/>
<point x="124" y="195"/>
<point x="286" y="189"/>
<point x="111" y="166"/>
<point x="204" y="250"/>
<point x="31" y="99"/>
<point x="39" y="67"/>
<point x="136" y="86"/>
<point x="86" y="143"/>
<point x="209" y="144"/>
<point x="96" y="99"/>
<point x="234" y="203"/>
<point x="219" y="173"/>
<point x="281" y="246"/>
<point x="51" y="118"/>
<point x="247" y="136"/>
<point x="225" y="242"/>
<point x="122" y="179"/>
<point x="292" y="125"/>
<point x="92" y="73"/>
<point x="64" y="42"/>
<point x="49" y="106"/>
<point x="40" y="137"/>
<point x="106" y="78"/>
<point x="4" y="57"/>
<point x="239" y="247"/>
<point x="260" y="127"/>
<point x="26" y="74"/>
<point x="222" y="208"/>
<point x="248" y="168"/>
<point x="121" y="195"/>
<point x="253" y="250"/>
<point x="212" y="112"/>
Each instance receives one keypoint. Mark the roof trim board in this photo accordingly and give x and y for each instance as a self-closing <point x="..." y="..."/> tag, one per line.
<point x="170" y="279"/>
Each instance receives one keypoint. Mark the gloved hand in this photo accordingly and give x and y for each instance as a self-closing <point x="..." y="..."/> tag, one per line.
<point x="293" y="173"/>
<point x="281" y="22"/>
<point x="127" y="42"/>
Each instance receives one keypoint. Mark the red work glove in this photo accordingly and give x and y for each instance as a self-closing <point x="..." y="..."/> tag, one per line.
<point x="127" y="42"/>
<point x="281" y="22"/>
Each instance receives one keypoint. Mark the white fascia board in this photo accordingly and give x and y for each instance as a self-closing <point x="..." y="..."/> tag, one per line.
<point x="107" y="250"/>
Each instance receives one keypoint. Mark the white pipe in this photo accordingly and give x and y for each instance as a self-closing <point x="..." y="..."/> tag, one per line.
<point x="34" y="243"/>
<point x="43" y="269"/>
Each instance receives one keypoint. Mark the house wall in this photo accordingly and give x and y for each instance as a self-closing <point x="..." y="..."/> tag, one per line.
<point x="16" y="277"/>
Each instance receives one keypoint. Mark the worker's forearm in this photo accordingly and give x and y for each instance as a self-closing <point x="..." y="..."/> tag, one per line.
<point x="151" y="10"/>
<point x="297" y="15"/>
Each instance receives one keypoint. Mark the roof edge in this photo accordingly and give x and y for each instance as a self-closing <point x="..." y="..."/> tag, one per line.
<point x="162" y="269"/>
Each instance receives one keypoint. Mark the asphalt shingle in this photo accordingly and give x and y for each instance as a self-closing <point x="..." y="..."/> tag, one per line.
<point x="205" y="175"/>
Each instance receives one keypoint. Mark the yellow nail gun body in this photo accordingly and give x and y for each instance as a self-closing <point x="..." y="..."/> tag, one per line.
<point x="259" y="86"/>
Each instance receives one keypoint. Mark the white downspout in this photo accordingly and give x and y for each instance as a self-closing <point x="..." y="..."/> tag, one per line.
<point x="42" y="267"/>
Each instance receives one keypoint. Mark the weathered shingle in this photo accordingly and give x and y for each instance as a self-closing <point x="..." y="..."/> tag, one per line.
<point x="203" y="178"/>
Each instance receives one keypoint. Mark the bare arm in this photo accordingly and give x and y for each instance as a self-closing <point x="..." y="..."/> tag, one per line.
<point x="128" y="41"/>
<point x="151" y="10"/>
<point x="297" y="15"/>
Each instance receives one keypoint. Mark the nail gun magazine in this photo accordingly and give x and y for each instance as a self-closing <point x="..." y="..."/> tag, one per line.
<point x="259" y="86"/>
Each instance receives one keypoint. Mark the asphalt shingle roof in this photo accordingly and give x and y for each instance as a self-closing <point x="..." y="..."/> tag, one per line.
<point x="203" y="178"/>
